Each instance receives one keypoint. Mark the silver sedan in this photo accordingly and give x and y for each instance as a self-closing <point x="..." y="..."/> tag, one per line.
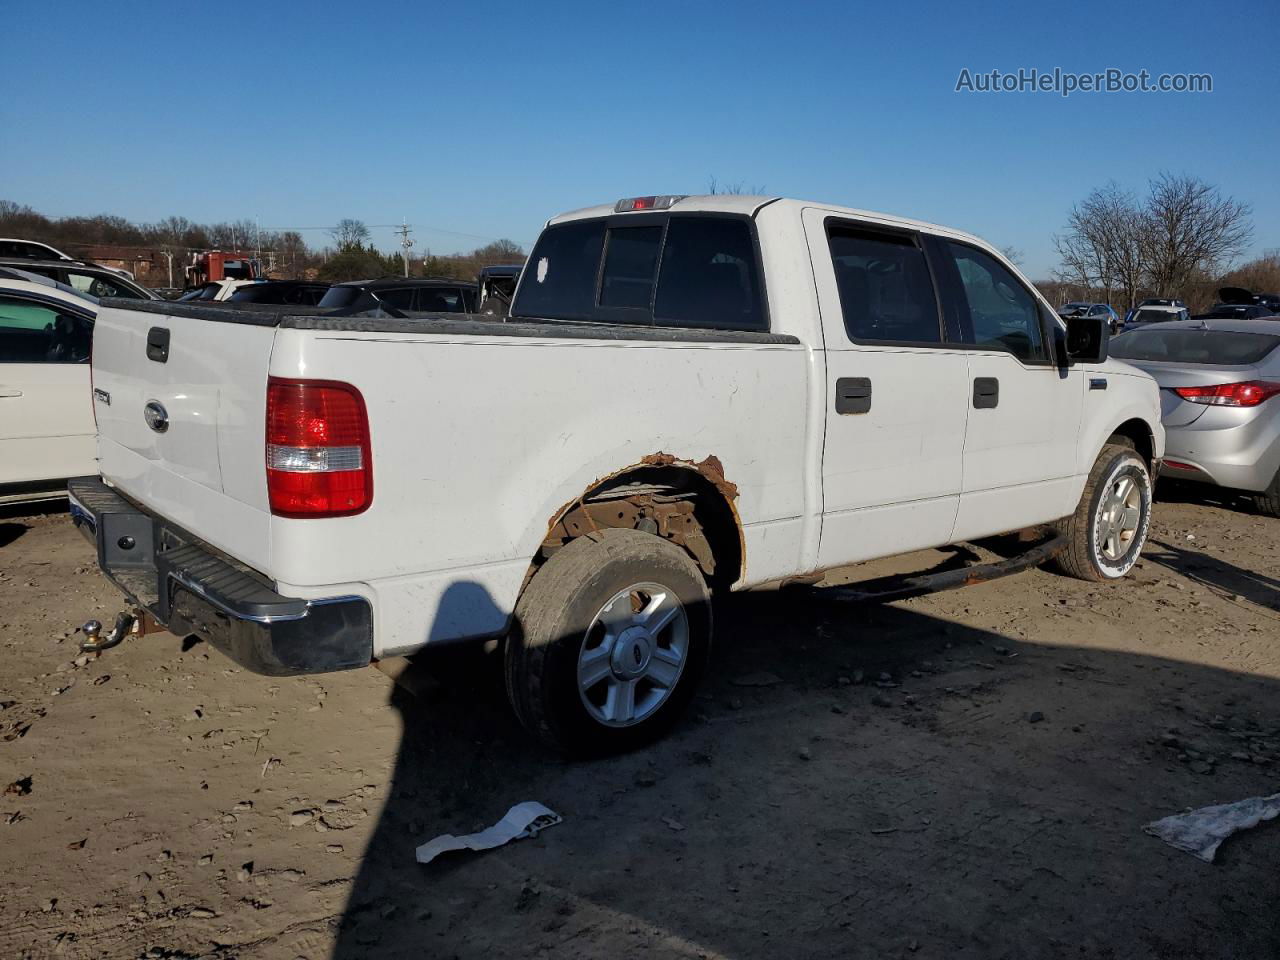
<point x="1220" y="397"/>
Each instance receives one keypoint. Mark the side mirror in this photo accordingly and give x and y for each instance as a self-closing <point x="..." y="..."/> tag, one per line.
<point x="1088" y="338"/>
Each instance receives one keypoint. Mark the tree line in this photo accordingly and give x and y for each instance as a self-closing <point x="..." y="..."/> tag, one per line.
<point x="349" y="256"/>
<point x="1178" y="240"/>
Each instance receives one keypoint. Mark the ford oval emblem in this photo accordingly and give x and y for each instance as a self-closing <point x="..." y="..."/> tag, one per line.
<point x="156" y="415"/>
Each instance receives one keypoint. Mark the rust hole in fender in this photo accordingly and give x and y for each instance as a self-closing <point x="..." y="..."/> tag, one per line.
<point x="710" y="467"/>
<point x="659" y="496"/>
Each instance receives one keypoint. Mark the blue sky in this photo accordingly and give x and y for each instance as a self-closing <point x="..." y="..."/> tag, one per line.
<point x="485" y="119"/>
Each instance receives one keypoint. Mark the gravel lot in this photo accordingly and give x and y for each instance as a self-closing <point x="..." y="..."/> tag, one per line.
<point x="961" y="775"/>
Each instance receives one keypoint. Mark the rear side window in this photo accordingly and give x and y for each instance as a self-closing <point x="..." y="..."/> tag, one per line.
<point x="1171" y="345"/>
<point x="886" y="294"/>
<point x="1002" y="313"/>
<point x="630" y="263"/>
<point x="560" y="281"/>
<point x="708" y="276"/>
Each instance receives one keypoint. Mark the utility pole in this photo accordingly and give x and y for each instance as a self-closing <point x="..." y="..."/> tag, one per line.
<point x="405" y="242"/>
<point x="168" y="255"/>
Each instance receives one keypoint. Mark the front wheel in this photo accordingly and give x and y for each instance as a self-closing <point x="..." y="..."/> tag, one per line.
<point x="611" y="637"/>
<point x="1106" y="534"/>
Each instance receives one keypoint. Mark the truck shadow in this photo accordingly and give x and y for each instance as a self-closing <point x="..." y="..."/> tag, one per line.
<point x="1217" y="574"/>
<point x="851" y="781"/>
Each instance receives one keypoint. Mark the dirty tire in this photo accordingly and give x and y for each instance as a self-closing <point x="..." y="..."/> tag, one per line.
<point x="550" y="633"/>
<point x="1268" y="501"/>
<point x="1083" y="557"/>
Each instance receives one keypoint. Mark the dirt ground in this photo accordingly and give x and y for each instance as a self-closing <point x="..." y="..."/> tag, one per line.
<point x="960" y="775"/>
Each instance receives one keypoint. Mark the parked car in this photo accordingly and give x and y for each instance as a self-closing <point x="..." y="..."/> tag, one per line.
<point x="11" y="248"/>
<point x="302" y="293"/>
<point x="46" y="415"/>
<point x="1234" y="311"/>
<point x="86" y="277"/>
<point x="1220" y="396"/>
<point x="496" y="286"/>
<point x="691" y="394"/>
<point x="1269" y="300"/>
<point x="402" y="294"/>
<point x="1155" y="302"/>
<point x="215" y="290"/>
<point x="1155" y="313"/>
<point x="1077" y="309"/>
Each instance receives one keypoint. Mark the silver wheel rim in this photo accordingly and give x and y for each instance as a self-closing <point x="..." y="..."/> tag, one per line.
<point x="1119" y="518"/>
<point x="633" y="654"/>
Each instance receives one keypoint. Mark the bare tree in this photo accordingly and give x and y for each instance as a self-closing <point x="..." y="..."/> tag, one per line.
<point x="1012" y="254"/>
<point x="1103" y="244"/>
<point x="1191" y="231"/>
<point x="293" y="253"/>
<point x="715" y="187"/>
<point x="349" y="234"/>
<point x="501" y="251"/>
<point x="1261" y="274"/>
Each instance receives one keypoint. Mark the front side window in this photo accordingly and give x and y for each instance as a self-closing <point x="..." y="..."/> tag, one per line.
<point x="560" y="280"/>
<point x="401" y="299"/>
<point x="337" y="297"/>
<point x="886" y="294"/>
<point x="99" y="286"/>
<point x="37" y="333"/>
<point x="443" y="300"/>
<point x="1003" y="315"/>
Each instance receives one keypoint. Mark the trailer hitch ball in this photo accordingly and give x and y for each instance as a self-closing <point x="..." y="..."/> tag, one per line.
<point x="94" y="642"/>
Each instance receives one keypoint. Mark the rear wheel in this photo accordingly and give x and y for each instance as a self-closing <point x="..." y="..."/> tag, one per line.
<point x="1268" y="501"/>
<point x="1106" y="534"/>
<point x="611" y="637"/>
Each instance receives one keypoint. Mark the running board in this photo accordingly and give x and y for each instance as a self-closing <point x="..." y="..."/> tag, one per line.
<point x="903" y="588"/>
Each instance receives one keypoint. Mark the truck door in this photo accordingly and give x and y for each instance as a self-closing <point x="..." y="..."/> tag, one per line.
<point x="896" y="393"/>
<point x="1024" y="409"/>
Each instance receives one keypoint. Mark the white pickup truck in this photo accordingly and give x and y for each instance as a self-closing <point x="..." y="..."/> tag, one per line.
<point x="691" y="394"/>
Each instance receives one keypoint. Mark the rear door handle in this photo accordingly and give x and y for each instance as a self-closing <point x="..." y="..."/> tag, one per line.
<point x="853" y="395"/>
<point x="986" y="393"/>
<point x="6" y="392"/>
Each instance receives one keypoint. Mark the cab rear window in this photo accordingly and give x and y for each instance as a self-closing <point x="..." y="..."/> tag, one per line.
<point x="690" y="271"/>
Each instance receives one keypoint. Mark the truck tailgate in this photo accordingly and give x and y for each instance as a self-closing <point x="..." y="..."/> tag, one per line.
<point x="180" y="400"/>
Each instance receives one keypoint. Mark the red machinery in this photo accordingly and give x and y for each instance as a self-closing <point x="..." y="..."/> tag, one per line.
<point x="221" y="265"/>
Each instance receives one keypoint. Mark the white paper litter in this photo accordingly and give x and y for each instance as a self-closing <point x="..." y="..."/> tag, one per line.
<point x="1200" y="832"/>
<point x="526" y="819"/>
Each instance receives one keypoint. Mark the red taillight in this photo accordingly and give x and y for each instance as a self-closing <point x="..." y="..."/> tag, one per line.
<point x="318" y="459"/>
<point x="1250" y="393"/>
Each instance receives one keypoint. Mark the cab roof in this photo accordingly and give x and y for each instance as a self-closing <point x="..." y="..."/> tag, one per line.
<point x="750" y="205"/>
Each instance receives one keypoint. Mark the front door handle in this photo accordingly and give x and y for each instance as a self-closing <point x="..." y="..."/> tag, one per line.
<point x="986" y="393"/>
<point x="853" y="395"/>
<point x="6" y="392"/>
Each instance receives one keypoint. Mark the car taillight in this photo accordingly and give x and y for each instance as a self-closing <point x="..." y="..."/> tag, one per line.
<point x="1250" y="393"/>
<point x="319" y="463"/>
